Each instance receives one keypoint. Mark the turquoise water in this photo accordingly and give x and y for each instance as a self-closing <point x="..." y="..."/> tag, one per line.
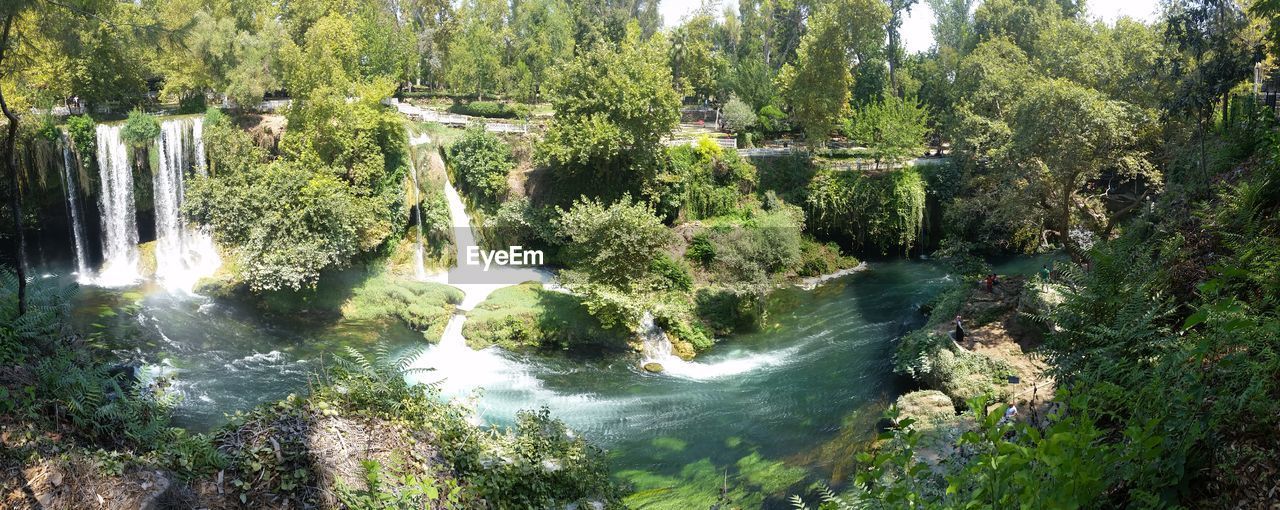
<point x="761" y="413"/>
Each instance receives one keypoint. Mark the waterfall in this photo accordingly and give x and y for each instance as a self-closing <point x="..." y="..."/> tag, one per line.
<point x="184" y="254"/>
<point x="119" y="219"/>
<point x="73" y="207"/>
<point x="657" y="355"/>
<point x="656" y="349"/>
<point x="419" y="268"/>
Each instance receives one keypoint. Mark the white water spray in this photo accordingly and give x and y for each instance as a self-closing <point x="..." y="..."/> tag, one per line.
<point x="119" y="219"/>
<point x="184" y="254"/>
<point x="73" y="208"/>
<point x="419" y="264"/>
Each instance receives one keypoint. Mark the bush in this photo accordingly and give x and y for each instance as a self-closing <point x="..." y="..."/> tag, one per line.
<point x="140" y="129"/>
<point x="868" y="211"/>
<point x="526" y="316"/>
<point x="614" y="244"/>
<point x="738" y="116"/>
<point x="672" y="275"/>
<point x="482" y="162"/>
<point x="82" y="131"/>
<point x="490" y="109"/>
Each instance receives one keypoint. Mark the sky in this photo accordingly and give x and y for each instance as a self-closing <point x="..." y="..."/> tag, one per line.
<point x="916" y="33"/>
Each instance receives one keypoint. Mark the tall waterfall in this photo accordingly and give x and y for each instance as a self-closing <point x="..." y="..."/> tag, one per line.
<point x="119" y="219"/>
<point x="419" y="264"/>
<point x="73" y="208"/>
<point x="184" y="253"/>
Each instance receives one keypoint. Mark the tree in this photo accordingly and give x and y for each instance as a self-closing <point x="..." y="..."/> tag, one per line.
<point x="898" y="10"/>
<point x="482" y="162"/>
<point x="27" y="44"/>
<point x="614" y="244"/>
<point x="476" y="51"/>
<point x="818" y="86"/>
<point x="738" y="116"/>
<point x="695" y="64"/>
<point x="894" y="128"/>
<point x="543" y="34"/>
<point x="613" y="105"/>
<point x="1065" y="135"/>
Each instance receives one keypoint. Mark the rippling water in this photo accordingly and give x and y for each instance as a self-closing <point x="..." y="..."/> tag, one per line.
<point x="778" y="394"/>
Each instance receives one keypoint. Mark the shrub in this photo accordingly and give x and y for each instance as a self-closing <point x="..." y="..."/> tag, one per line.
<point x="614" y="244"/>
<point x="482" y="162"/>
<point x="490" y="109"/>
<point x="140" y="129"/>
<point x="672" y="275"/>
<point x="738" y="116"/>
<point x="81" y="129"/>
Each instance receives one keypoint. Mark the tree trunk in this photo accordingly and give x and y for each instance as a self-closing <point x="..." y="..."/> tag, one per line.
<point x="11" y="168"/>
<point x="1064" y="226"/>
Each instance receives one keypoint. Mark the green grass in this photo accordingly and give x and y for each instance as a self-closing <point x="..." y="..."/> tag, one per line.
<point x="422" y="306"/>
<point x="528" y="317"/>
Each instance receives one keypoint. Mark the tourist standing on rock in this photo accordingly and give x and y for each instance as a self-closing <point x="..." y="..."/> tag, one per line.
<point x="959" y="333"/>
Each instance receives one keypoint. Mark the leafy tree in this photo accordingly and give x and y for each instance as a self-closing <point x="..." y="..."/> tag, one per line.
<point x="894" y="128"/>
<point x="476" y="51"/>
<point x="898" y="10"/>
<point x="818" y="86"/>
<point x="695" y="63"/>
<point x="543" y="34"/>
<point x="614" y="244"/>
<point x="326" y="62"/>
<point x="140" y="129"/>
<point x="738" y="116"/>
<point x="482" y="162"/>
<point x="1065" y="135"/>
<point x="613" y="105"/>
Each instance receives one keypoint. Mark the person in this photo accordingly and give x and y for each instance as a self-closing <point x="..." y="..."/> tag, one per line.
<point x="990" y="282"/>
<point x="1045" y="273"/>
<point x="959" y="334"/>
<point x="1011" y="412"/>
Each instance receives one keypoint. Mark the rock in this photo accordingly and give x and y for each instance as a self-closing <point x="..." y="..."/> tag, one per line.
<point x="652" y="367"/>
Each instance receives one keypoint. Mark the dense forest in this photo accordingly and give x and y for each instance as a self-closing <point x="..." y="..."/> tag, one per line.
<point x="788" y="263"/>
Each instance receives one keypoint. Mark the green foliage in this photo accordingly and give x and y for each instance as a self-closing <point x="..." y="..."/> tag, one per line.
<point x="481" y="162"/>
<point x="705" y="181"/>
<point x="893" y="128"/>
<point x="140" y="129"/>
<point x="390" y="488"/>
<point x="82" y="131"/>
<point x="817" y="86"/>
<point x="613" y="105"/>
<point x="738" y="115"/>
<point x="336" y="191"/>
<point x="490" y="109"/>
<point x="423" y="306"/>
<point x="528" y="317"/>
<point x="614" y="244"/>
<point x="868" y="211"/>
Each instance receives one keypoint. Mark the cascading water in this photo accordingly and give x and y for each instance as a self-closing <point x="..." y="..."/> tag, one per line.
<point x="119" y="218"/>
<point x="73" y="210"/>
<point x="183" y="254"/>
<point x="658" y="355"/>
<point x="419" y="267"/>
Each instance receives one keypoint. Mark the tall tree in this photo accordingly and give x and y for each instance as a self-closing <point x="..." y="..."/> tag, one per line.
<point x="817" y="87"/>
<point x="477" y="50"/>
<point x="898" y="11"/>
<point x="696" y="63"/>
<point x="543" y="34"/>
<point x="1065" y="135"/>
<point x="613" y="105"/>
